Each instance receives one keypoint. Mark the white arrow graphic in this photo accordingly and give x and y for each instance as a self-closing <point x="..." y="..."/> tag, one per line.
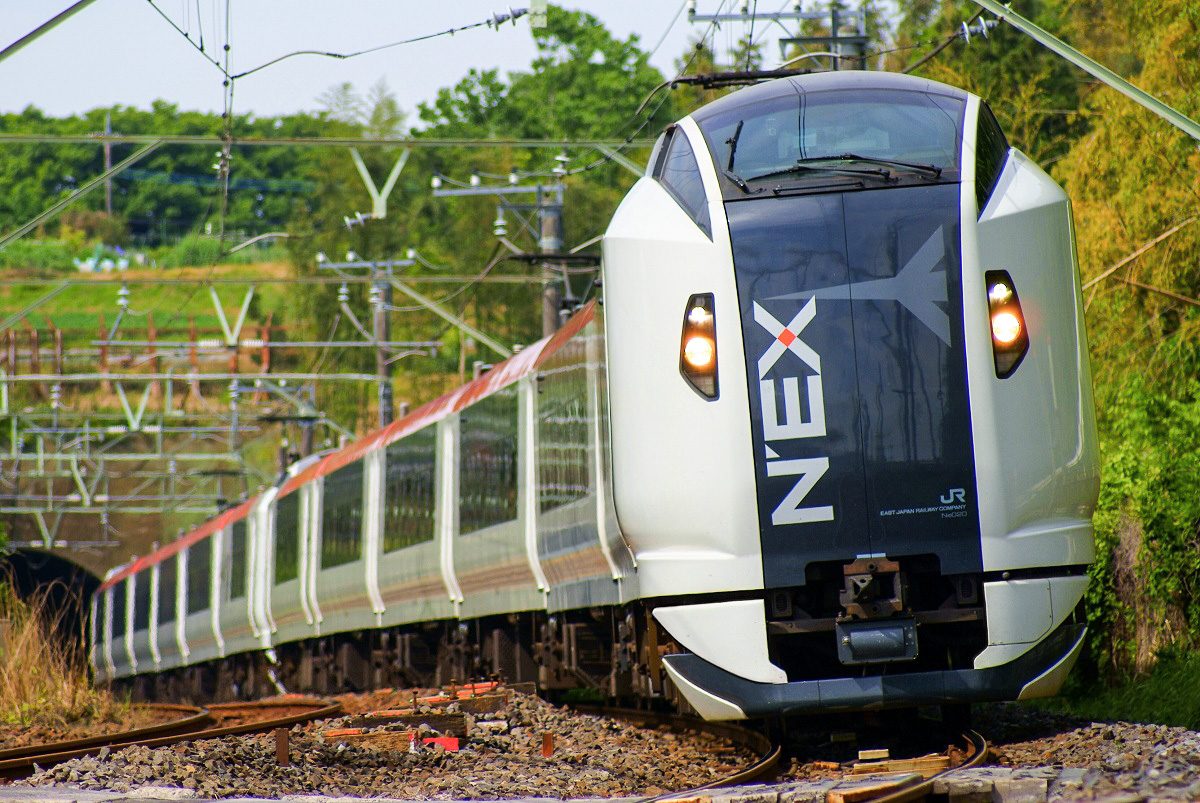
<point x="919" y="286"/>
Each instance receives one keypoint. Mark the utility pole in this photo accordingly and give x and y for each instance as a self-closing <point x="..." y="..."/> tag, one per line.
<point x="548" y="231"/>
<point x="108" y="164"/>
<point x="381" y="296"/>
<point x="551" y="242"/>
<point x="836" y="46"/>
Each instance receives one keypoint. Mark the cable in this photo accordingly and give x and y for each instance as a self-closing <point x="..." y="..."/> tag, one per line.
<point x="750" y="36"/>
<point x="931" y="54"/>
<point x="670" y="27"/>
<point x="605" y="159"/>
<point x="492" y="22"/>
<point x="493" y="261"/>
<point x="186" y="36"/>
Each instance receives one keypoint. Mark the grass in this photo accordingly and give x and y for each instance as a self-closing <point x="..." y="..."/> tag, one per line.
<point x="43" y="675"/>
<point x="1169" y="695"/>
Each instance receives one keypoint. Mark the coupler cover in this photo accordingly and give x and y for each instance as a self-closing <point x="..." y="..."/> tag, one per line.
<point x="876" y="641"/>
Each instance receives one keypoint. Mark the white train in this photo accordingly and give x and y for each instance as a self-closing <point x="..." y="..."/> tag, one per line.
<point x="830" y="446"/>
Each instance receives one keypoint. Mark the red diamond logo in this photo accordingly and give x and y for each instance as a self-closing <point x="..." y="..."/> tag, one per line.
<point x="786" y="337"/>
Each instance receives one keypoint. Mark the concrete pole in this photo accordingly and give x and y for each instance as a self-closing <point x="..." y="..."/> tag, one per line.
<point x="383" y="334"/>
<point x="107" y="165"/>
<point x="551" y="242"/>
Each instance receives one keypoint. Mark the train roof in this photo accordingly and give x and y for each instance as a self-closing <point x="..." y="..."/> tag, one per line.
<point x="840" y="80"/>
<point x="501" y="376"/>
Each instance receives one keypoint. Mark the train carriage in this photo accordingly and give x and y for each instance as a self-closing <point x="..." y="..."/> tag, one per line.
<point x="830" y="445"/>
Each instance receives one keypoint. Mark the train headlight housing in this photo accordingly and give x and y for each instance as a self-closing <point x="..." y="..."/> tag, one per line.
<point x="698" y="345"/>
<point x="1010" y="338"/>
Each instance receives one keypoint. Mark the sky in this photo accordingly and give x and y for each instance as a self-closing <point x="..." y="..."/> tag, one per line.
<point x="124" y="52"/>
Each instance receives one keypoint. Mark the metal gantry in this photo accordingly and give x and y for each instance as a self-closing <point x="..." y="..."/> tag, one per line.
<point x="130" y="422"/>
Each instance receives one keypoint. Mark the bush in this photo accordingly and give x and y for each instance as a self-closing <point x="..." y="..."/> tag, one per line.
<point x="38" y="255"/>
<point x="194" y="249"/>
<point x="43" y="679"/>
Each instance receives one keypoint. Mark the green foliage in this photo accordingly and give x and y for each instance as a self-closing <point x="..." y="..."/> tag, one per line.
<point x="38" y="255"/>
<point x="171" y="191"/>
<point x="1033" y="92"/>
<point x="1170" y="695"/>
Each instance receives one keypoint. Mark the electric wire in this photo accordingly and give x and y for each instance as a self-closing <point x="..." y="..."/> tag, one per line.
<point x="492" y="22"/>
<point x="750" y="36"/>
<point x="670" y="27"/>
<point x="187" y="37"/>
<point x="605" y="158"/>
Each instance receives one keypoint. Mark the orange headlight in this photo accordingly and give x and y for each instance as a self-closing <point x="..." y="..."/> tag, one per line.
<point x="1010" y="340"/>
<point x="698" y="345"/>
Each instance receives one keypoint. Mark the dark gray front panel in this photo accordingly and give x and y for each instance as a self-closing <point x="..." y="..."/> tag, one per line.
<point x="851" y="312"/>
<point x="903" y="248"/>
<point x="803" y="395"/>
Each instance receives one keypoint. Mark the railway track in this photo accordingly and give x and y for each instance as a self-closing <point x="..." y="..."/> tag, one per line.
<point x="769" y="753"/>
<point x="876" y="781"/>
<point x="214" y="721"/>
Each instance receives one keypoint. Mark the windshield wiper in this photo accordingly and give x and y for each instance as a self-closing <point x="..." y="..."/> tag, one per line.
<point x="928" y="169"/>
<point x="800" y="167"/>
<point x="739" y="181"/>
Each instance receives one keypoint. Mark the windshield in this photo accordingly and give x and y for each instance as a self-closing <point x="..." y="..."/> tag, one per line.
<point x="770" y="137"/>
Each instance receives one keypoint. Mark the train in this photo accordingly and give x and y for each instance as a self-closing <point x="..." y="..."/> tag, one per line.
<point x="825" y="441"/>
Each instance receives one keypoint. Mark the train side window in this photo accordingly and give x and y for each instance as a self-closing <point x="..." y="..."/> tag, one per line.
<point x="563" y="428"/>
<point x="166" y="590"/>
<point x="991" y="152"/>
<point x="488" y="465"/>
<point x="237" y="560"/>
<point x="287" y="538"/>
<point x="410" y="478"/>
<point x="341" y="516"/>
<point x="118" y="609"/>
<point x="199" y="566"/>
<point x="141" y="601"/>
<point x="678" y="171"/>
<point x="656" y="152"/>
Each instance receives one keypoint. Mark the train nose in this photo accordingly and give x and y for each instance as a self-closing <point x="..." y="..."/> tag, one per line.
<point x="852" y="322"/>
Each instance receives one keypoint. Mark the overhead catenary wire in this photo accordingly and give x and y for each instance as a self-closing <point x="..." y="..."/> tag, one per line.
<point x="495" y="21"/>
<point x="669" y="28"/>
<point x="628" y="140"/>
<point x="187" y="36"/>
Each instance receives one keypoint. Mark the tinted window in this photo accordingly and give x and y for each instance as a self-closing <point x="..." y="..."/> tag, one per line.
<point x="237" y="560"/>
<point x="287" y="538"/>
<point x="408" y="493"/>
<point x="118" y="609"/>
<point x="166" y="591"/>
<point x="678" y="171"/>
<point x="199" y="569"/>
<point x="141" y="600"/>
<point x="488" y="470"/>
<point x="991" y="152"/>
<point x="341" y="516"/>
<point x="562" y="436"/>
<point x="773" y="135"/>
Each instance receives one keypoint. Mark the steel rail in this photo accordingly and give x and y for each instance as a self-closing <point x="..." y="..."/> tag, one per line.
<point x="194" y="718"/>
<point x="767" y="751"/>
<point x="317" y="709"/>
<point x="923" y="789"/>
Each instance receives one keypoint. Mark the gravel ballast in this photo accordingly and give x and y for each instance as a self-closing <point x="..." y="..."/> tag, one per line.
<point x="592" y="756"/>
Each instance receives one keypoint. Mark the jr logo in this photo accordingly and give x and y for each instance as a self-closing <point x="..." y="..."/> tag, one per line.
<point x="954" y="496"/>
<point x="793" y="423"/>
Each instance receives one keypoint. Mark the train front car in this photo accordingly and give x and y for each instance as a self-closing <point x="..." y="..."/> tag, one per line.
<point x="853" y="436"/>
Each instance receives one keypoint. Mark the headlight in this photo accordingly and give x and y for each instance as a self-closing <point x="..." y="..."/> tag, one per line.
<point x="1010" y="339"/>
<point x="698" y="345"/>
